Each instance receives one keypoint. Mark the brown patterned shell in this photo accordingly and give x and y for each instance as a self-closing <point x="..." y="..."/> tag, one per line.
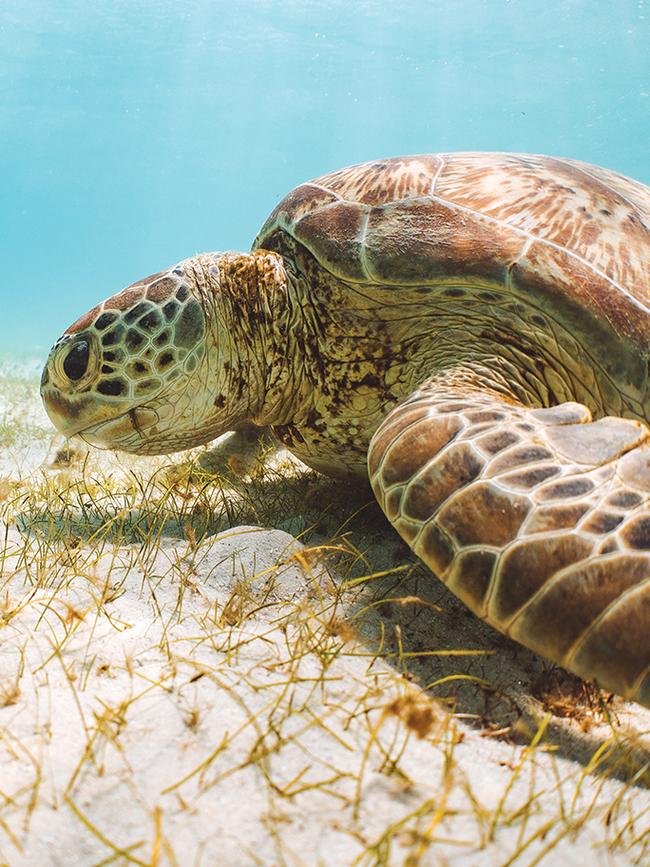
<point x="575" y="233"/>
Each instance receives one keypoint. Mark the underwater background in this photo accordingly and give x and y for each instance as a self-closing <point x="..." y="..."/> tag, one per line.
<point x="134" y="134"/>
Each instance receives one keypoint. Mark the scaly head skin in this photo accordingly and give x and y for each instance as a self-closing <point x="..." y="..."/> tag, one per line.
<point x="170" y="362"/>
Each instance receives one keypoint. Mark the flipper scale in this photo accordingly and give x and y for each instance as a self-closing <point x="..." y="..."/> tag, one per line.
<point x="538" y="519"/>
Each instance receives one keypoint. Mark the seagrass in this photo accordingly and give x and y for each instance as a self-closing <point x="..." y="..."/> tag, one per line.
<point x="469" y="330"/>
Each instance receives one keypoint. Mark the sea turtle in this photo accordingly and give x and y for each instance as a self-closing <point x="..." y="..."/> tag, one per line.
<point x="449" y="325"/>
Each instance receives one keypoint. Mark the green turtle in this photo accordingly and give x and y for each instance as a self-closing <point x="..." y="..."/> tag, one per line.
<point x="448" y="325"/>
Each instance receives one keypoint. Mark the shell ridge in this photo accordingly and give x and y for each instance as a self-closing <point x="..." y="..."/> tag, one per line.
<point x="363" y="259"/>
<point x="535" y="239"/>
<point x="583" y="170"/>
<point x="325" y="189"/>
<point x="438" y="173"/>
<point x="528" y="243"/>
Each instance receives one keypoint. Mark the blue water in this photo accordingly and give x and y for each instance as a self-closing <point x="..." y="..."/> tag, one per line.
<point x="134" y="134"/>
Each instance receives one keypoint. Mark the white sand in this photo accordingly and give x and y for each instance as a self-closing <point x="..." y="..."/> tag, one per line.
<point x="231" y="700"/>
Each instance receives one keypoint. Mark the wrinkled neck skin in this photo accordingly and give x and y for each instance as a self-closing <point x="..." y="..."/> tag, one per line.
<point x="251" y="367"/>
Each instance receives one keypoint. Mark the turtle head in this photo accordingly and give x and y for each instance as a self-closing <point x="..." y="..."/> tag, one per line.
<point x="135" y="373"/>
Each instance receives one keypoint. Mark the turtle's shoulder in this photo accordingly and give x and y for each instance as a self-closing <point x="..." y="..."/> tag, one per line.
<point x="553" y="226"/>
<point x="333" y="216"/>
<point x="356" y="189"/>
<point x="387" y="222"/>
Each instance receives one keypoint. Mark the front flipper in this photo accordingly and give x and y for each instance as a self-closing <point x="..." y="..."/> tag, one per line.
<point x="538" y="519"/>
<point x="238" y="454"/>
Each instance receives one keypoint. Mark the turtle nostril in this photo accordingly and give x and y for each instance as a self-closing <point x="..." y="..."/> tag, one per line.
<point x="76" y="361"/>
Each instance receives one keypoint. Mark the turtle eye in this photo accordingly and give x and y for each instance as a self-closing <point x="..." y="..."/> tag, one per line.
<point x="76" y="361"/>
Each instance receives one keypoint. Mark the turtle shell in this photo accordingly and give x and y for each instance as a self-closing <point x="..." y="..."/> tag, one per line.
<point x="575" y="235"/>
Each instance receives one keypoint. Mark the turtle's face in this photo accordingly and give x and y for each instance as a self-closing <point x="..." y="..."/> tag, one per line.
<point x="131" y="373"/>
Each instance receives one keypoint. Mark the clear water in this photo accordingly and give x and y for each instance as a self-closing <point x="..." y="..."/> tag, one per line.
<point x="134" y="133"/>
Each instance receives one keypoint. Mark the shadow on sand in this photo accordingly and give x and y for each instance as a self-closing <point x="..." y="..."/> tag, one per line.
<point x="499" y="688"/>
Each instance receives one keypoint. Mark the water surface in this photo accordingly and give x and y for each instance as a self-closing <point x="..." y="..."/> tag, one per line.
<point x="134" y="133"/>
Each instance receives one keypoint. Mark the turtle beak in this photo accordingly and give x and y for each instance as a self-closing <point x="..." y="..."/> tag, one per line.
<point x="122" y="431"/>
<point x="68" y="415"/>
<point x="99" y="426"/>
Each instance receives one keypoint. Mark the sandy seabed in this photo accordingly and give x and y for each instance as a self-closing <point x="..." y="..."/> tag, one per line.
<point x="209" y="661"/>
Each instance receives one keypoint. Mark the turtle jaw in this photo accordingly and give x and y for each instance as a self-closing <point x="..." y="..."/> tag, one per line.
<point x="127" y="432"/>
<point x="158" y="427"/>
<point x="139" y="431"/>
<point x="71" y="414"/>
